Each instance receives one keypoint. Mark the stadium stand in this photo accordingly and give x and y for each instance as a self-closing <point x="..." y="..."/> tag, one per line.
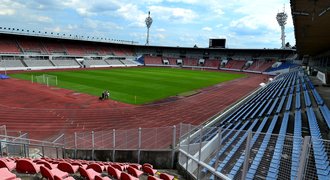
<point x="212" y="63"/>
<point x="66" y="63"/>
<point x="8" y="46"/>
<point x="11" y="63"/>
<point x="54" y="47"/>
<point x="261" y="65"/>
<point x="74" y="48"/>
<point x="277" y="97"/>
<point x="114" y="62"/>
<point x="95" y="63"/>
<point x="152" y="60"/>
<point x="38" y="63"/>
<point x="190" y="62"/>
<point x="235" y="64"/>
<point x="31" y="45"/>
<point x="285" y="65"/>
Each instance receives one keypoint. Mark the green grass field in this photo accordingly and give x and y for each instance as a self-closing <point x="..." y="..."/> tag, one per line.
<point x="135" y="85"/>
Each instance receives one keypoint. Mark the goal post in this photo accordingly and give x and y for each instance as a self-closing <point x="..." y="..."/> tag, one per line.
<point x="49" y="80"/>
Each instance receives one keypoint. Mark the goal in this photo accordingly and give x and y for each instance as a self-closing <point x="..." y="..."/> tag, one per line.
<point x="49" y="80"/>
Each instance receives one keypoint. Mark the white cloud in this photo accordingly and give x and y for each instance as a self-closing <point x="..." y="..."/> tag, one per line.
<point x="180" y="15"/>
<point x="7" y="12"/>
<point x="44" y="19"/>
<point x="207" y="29"/>
<point x="160" y="30"/>
<point x="132" y="13"/>
<point x="8" y="7"/>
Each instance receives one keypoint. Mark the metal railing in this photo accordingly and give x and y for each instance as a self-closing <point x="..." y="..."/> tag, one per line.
<point x="247" y="155"/>
<point x="22" y="146"/>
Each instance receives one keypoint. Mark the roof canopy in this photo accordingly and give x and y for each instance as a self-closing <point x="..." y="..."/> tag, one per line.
<point x="311" y="19"/>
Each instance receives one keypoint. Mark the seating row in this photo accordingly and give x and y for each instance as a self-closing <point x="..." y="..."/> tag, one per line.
<point x="91" y="170"/>
<point x="320" y="155"/>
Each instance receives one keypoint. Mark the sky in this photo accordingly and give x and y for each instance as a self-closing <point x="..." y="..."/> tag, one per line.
<point x="184" y="23"/>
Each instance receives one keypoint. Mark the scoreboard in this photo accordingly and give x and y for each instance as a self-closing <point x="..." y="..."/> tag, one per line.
<point x="217" y="43"/>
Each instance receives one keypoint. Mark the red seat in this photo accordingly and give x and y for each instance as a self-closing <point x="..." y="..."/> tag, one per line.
<point x="114" y="172"/>
<point x="89" y="174"/>
<point x="67" y="167"/>
<point x="153" y="178"/>
<point x="101" y="178"/>
<point x="149" y="170"/>
<point x="46" y="164"/>
<point x="166" y="176"/>
<point x="76" y="163"/>
<point x="134" y="172"/>
<point x="7" y="175"/>
<point x="96" y="167"/>
<point x="125" y="176"/>
<point x="49" y="173"/>
<point x="10" y="165"/>
<point x="67" y="178"/>
<point x="147" y="164"/>
<point x="136" y="166"/>
<point x="118" y="166"/>
<point x="26" y="166"/>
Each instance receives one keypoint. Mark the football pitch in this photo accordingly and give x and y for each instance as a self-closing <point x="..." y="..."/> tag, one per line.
<point x="135" y="85"/>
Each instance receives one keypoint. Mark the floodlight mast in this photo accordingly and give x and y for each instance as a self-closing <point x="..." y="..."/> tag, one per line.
<point x="148" y="23"/>
<point x="281" y="19"/>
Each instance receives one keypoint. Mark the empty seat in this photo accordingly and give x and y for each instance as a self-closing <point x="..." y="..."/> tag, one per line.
<point x="125" y="176"/>
<point x="89" y="174"/>
<point x="10" y="165"/>
<point x="96" y="167"/>
<point x="114" y="172"/>
<point x="135" y="172"/>
<point x="49" y="173"/>
<point x="26" y="166"/>
<point x="166" y="176"/>
<point x="67" y="167"/>
<point x="149" y="170"/>
<point x="7" y="175"/>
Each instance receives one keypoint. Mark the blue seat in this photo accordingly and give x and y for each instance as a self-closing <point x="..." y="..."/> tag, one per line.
<point x="326" y="114"/>
<point x="275" y="162"/>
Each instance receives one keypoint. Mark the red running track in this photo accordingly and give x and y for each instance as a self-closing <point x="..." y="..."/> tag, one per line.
<point x="45" y="112"/>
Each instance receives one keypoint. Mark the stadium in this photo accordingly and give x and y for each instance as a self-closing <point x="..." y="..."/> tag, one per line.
<point x="172" y="112"/>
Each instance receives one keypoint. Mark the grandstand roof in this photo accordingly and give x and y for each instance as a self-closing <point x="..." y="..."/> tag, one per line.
<point x="311" y="23"/>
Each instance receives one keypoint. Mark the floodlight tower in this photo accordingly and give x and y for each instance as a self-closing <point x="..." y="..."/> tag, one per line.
<point x="148" y="23"/>
<point x="281" y="19"/>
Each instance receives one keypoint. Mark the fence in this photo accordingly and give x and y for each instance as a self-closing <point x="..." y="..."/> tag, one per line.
<point x="22" y="146"/>
<point x="249" y="155"/>
<point x="141" y="138"/>
<point x="162" y="138"/>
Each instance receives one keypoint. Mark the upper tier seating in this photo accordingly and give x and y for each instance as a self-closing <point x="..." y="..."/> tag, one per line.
<point x="54" y="47"/>
<point x="32" y="45"/>
<point x="9" y="46"/>
<point x="74" y="49"/>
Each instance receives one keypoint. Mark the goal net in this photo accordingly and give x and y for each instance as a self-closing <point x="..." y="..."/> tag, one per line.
<point x="49" y="80"/>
